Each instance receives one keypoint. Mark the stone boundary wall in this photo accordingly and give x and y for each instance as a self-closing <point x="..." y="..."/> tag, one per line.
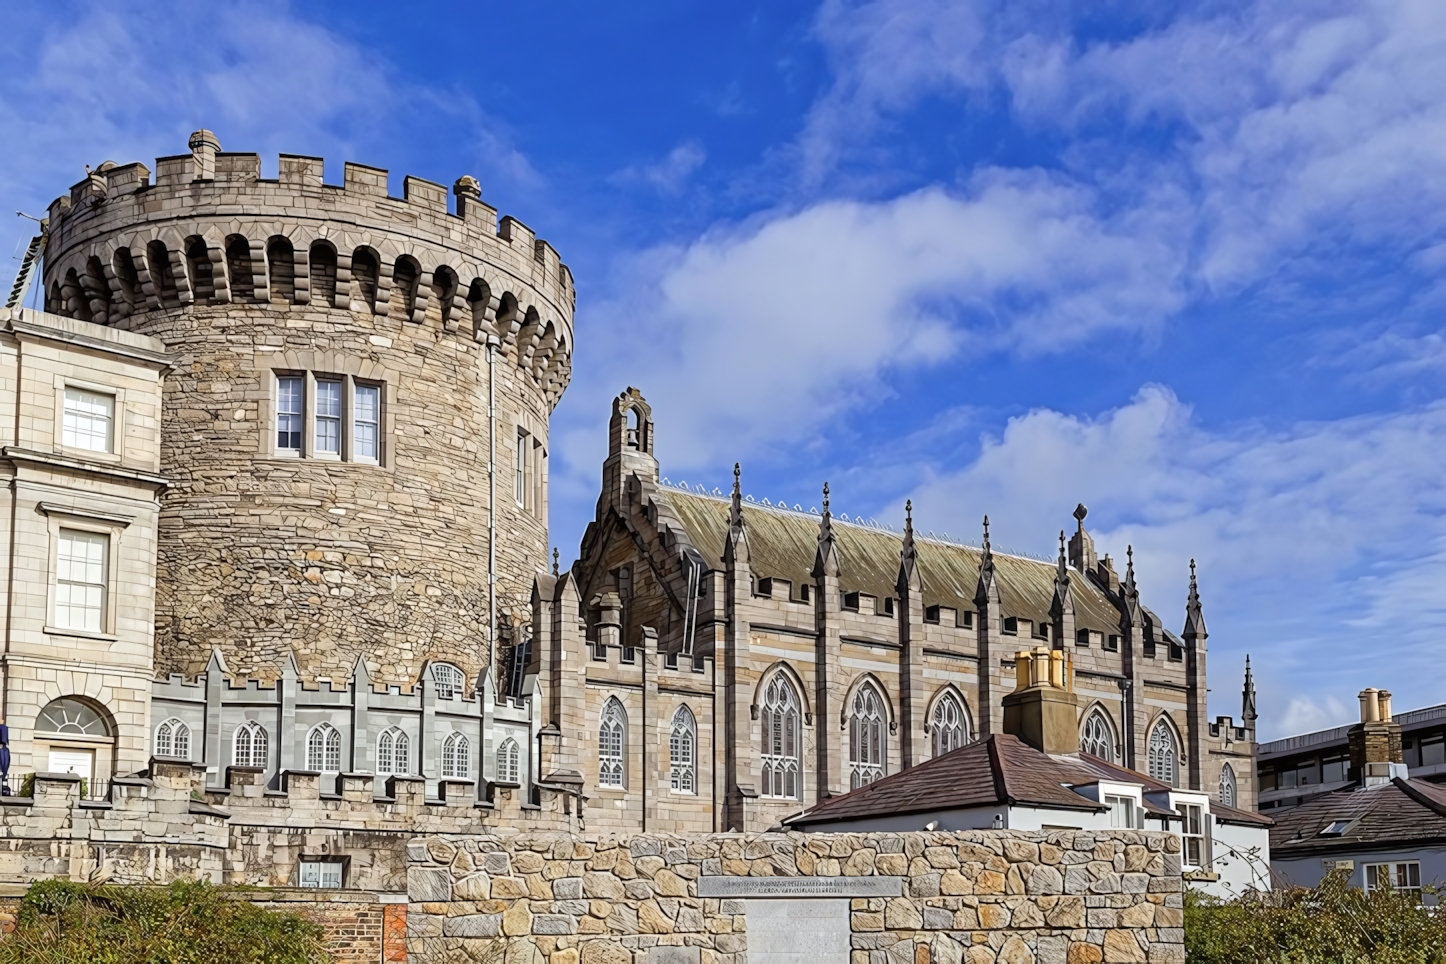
<point x="975" y="897"/>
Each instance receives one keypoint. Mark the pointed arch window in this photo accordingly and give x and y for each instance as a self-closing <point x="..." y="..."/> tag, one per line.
<point x="323" y="748"/>
<point x="782" y="736"/>
<point x="249" y="745"/>
<point x="867" y="761"/>
<point x="611" y="727"/>
<point x="1227" y="785"/>
<point x="1163" y="755"/>
<point x="682" y="752"/>
<point x="394" y="752"/>
<point x="456" y="757"/>
<point x="1097" y="736"/>
<point x="173" y="739"/>
<point x="949" y="727"/>
<point x="509" y="762"/>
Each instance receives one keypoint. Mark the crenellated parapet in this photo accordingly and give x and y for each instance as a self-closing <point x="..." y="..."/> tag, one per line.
<point x="209" y="230"/>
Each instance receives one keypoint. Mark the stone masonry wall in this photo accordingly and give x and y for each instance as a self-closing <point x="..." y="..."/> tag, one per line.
<point x="978" y="897"/>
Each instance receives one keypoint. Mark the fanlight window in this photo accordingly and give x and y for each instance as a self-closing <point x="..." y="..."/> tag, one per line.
<point x="781" y="739"/>
<point x="323" y="748"/>
<point x="610" y="745"/>
<point x="1098" y="737"/>
<point x="509" y="762"/>
<point x="682" y="745"/>
<point x="1227" y="785"/>
<point x="949" y="726"/>
<point x="866" y="737"/>
<point x="1162" y="754"/>
<point x="394" y="752"/>
<point x="447" y="680"/>
<point x="457" y="756"/>
<point x="249" y="745"/>
<point x="173" y="739"/>
<point x="71" y="717"/>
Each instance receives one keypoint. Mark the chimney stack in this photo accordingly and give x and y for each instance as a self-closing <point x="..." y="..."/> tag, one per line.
<point x="1375" y="742"/>
<point x="1042" y="710"/>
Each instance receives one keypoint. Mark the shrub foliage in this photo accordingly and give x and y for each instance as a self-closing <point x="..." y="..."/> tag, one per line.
<point x="1332" y="923"/>
<point x="61" y="922"/>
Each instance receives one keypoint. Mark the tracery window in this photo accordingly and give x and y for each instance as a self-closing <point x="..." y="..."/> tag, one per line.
<point x="249" y="745"/>
<point x="610" y="744"/>
<point x="1097" y="736"/>
<point x="1227" y="785"/>
<point x="682" y="755"/>
<point x="866" y="737"/>
<point x="1162" y="754"/>
<point x="323" y="748"/>
<point x="782" y="734"/>
<point x="456" y="756"/>
<point x="173" y="738"/>
<point x="949" y="728"/>
<point x="509" y="757"/>
<point x="394" y="752"/>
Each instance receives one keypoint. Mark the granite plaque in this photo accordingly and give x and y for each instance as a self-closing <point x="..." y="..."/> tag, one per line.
<point x="795" y="930"/>
<point x="845" y="887"/>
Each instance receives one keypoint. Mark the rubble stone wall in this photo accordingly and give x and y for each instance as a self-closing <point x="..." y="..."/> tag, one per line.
<point x="977" y="897"/>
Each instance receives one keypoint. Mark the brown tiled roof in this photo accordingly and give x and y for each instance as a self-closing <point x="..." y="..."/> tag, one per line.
<point x="783" y="544"/>
<point x="1400" y="812"/>
<point x="998" y="769"/>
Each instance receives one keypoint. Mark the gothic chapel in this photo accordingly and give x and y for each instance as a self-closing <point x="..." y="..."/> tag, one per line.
<point x="710" y="663"/>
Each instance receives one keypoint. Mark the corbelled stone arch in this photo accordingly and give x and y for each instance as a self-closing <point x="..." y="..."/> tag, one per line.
<point x="542" y="355"/>
<point x="508" y="319"/>
<point x="162" y="274"/>
<point x="241" y="268"/>
<point x="406" y="289"/>
<point x="200" y="269"/>
<point x="528" y="336"/>
<point x="97" y="289"/>
<point x="482" y="308"/>
<point x="366" y="266"/>
<point x="446" y="303"/>
<point x="322" y="269"/>
<point x="281" y="270"/>
<point x="125" y="283"/>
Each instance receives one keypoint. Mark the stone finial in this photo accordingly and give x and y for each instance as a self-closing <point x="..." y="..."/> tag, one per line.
<point x="556" y="560"/>
<point x="1247" y="698"/>
<point x="468" y="187"/>
<point x="204" y="148"/>
<point x="1194" y="613"/>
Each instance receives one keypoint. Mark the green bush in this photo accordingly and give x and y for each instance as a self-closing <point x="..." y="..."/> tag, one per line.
<point x="1332" y="923"/>
<point x="61" y="922"/>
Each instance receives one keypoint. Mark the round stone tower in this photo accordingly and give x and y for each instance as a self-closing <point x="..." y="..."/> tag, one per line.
<point x="341" y="358"/>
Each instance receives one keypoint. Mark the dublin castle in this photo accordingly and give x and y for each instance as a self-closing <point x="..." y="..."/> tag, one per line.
<point x="278" y="590"/>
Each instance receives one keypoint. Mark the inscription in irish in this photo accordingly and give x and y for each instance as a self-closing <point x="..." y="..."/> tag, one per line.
<point x="799" y="887"/>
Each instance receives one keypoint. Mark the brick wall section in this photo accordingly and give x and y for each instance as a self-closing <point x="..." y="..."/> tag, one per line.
<point x="977" y="897"/>
<point x="355" y="924"/>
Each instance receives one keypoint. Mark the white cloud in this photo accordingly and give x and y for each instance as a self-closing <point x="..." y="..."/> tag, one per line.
<point x="669" y="174"/>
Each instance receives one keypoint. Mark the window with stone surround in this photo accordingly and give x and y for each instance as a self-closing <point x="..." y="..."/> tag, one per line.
<point x="682" y="752"/>
<point x="949" y="729"/>
<point x="320" y="873"/>
<point x="1163" y="755"/>
<point x="323" y="749"/>
<point x="509" y="762"/>
<point x="1097" y="736"/>
<point x="328" y="416"/>
<point x="456" y="757"/>
<point x="249" y="745"/>
<point x="1227" y="785"/>
<point x="394" y="752"/>
<point x="866" y="737"/>
<point x="173" y="739"/>
<point x="88" y="421"/>
<point x="782" y="739"/>
<point x="446" y="680"/>
<point x="610" y="741"/>
<point x="81" y="564"/>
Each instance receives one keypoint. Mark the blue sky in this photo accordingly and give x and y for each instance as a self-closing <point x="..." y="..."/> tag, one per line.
<point x="1181" y="262"/>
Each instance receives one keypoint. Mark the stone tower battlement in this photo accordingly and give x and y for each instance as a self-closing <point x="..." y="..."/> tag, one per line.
<point x="341" y="359"/>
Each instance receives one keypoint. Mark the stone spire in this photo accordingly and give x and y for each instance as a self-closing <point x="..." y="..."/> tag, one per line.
<point x="825" y="561"/>
<point x="986" y="588"/>
<point x="556" y="560"/>
<point x="1063" y="598"/>
<point x="1194" y="615"/>
<point x="1129" y="592"/>
<point x="1247" y="700"/>
<point x="909" y="554"/>
<point x="737" y="547"/>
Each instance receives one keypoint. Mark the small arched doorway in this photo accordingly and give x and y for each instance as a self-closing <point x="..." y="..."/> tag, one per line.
<point x="74" y="735"/>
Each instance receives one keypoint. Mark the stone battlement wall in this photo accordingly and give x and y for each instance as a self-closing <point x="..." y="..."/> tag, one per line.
<point x="981" y="897"/>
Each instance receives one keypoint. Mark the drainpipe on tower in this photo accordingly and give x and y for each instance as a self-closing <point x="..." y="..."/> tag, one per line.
<point x="492" y="345"/>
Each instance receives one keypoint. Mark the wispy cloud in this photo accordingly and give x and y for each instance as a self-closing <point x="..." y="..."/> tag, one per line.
<point x="668" y="175"/>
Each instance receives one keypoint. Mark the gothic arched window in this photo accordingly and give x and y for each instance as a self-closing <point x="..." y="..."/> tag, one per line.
<point x="866" y="737"/>
<point x="682" y="752"/>
<point x="1227" y="785"/>
<point x="456" y="756"/>
<point x="949" y="728"/>
<point x="1162" y="754"/>
<point x="1097" y="736"/>
<point x="394" y="752"/>
<point x="173" y="738"/>
<point x="509" y="762"/>
<point x="781" y="738"/>
<point x="611" y="727"/>
<point x="323" y="748"/>
<point x="248" y="746"/>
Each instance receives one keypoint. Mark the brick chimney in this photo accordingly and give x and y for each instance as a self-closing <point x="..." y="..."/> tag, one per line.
<point x="1375" y="742"/>
<point x="1042" y="710"/>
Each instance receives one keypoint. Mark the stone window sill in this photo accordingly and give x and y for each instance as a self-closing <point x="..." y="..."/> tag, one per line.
<point x="81" y="634"/>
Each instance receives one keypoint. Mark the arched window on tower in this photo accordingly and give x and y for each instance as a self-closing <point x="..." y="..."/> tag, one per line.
<point x="782" y="739"/>
<point x="457" y="756"/>
<point x="394" y="752"/>
<point x="949" y="728"/>
<point x="1163" y="755"/>
<point x="323" y="749"/>
<point x="610" y="744"/>
<point x="1097" y="736"/>
<point x="1227" y="785"/>
<point x="173" y="739"/>
<point x="867" y="754"/>
<point x="682" y="752"/>
<point x="447" y="680"/>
